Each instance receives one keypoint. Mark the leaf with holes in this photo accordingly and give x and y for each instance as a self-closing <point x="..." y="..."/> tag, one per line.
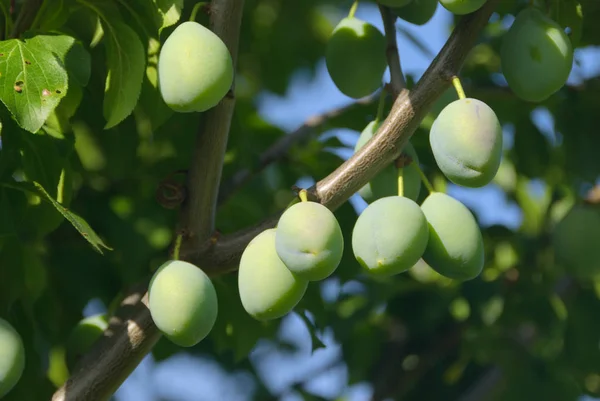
<point x="33" y="78"/>
<point x="77" y="221"/>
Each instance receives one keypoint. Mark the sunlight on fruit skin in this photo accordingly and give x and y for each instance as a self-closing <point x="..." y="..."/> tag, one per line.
<point x="466" y="141"/>
<point x="385" y="183"/>
<point x="183" y="302"/>
<point x="390" y="236"/>
<point x="195" y="69"/>
<point x="417" y="12"/>
<point x="12" y="357"/>
<point x="455" y="246"/>
<point x="309" y="241"/>
<point x="536" y="56"/>
<point x="83" y="336"/>
<point x="268" y="289"/>
<point x="461" y="7"/>
<point x="355" y="57"/>
<point x="394" y="3"/>
<point x="576" y="240"/>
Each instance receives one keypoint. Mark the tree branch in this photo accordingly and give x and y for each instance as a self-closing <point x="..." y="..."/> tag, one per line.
<point x="280" y="148"/>
<point x="118" y="353"/>
<point x="393" y="57"/>
<point x="204" y="174"/>
<point x="26" y="16"/>
<point x="407" y="113"/>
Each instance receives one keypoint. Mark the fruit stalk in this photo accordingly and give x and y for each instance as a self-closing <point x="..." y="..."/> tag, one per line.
<point x="392" y="53"/>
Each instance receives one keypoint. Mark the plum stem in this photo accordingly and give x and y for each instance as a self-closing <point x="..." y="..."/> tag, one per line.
<point x="458" y="86"/>
<point x="353" y="9"/>
<point x="401" y="182"/>
<point x="424" y="178"/>
<point x="197" y="7"/>
<point x="177" y="246"/>
<point x="303" y="195"/>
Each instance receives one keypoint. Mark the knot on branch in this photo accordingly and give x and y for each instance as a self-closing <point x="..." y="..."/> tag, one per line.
<point x="170" y="193"/>
<point x="403" y="160"/>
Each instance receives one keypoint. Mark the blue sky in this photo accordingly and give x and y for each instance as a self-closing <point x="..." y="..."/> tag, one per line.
<point x="185" y="378"/>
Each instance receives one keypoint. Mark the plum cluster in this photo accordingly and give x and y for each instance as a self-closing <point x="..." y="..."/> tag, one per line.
<point x="277" y="265"/>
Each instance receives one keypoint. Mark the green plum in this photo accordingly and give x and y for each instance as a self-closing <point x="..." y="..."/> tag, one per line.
<point x="83" y="336"/>
<point x="355" y="57"/>
<point x="12" y="357"/>
<point x="461" y="7"/>
<point x="417" y="12"/>
<point x="309" y="240"/>
<point x="455" y="245"/>
<point x="576" y="240"/>
<point x="385" y="183"/>
<point x="268" y="289"/>
<point x="466" y="141"/>
<point x="183" y="302"/>
<point x="536" y="56"/>
<point x="195" y="69"/>
<point x="390" y="236"/>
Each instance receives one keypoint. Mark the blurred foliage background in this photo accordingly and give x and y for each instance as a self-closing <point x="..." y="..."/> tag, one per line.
<point x="522" y="330"/>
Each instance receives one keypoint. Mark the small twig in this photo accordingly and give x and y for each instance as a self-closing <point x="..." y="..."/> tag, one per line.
<point x="280" y="148"/>
<point x="393" y="57"/>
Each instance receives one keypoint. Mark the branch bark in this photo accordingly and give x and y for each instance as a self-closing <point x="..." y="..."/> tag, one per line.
<point x="408" y="111"/>
<point x="112" y="359"/>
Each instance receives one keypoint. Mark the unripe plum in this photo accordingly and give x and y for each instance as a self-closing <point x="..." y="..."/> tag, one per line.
<point x="536" y="56"/>
<point x="385" y="183"/>
<point x="12" y="357"/>
<point x="417" y="12"/>
<point x="461" y="7"/>
<point x="390" y="236"/>
<point x="466" y="140"/>
<point x="83" y="336"/>
<point x="195" y="69"/>
<point x="455" y="246"/>
<point x="268" y="289"/>
<point x="576" y="240"/>
<point x="355" y="57"/>
<point x="183" y="302"/>
<point x="309" y="240"/>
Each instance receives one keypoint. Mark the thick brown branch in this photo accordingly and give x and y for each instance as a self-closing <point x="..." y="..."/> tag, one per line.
<point x="407" y="113"/>
<point x="393" y="57"/>
<point x="124" y="345"/>
<point x="280" y="148"/>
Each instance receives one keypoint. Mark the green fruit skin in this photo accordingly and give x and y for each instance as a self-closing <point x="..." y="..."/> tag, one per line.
<point x="268" y="289"/>
<point x="394" y="3"/>
<point x="309" y="241"/>
<point x="417" y="12"/>
<point x="576" y="238"/>
<point x="183" y="302"/>
<point x="83" y="336"/>
<point x="461" y="7"/>
<point x="12" y="357"/>
<point x="455" y="246"/>
<point x="466" y="140"/>
<point x="195" y="69"/>
<point x="355" y="57"/>
<point x="390" y="236"/>
<point x="385" y="183"/>
<point x="536" y="56"/>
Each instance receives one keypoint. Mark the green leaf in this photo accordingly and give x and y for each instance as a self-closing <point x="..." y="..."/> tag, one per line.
<point x="316" y="342"/>
<point x="170" y="10"/>
<point x="33" y="78"/>
<point x="7" y="224"/>
<point x="126" y="61"/>
<point x="78" y="222"/>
